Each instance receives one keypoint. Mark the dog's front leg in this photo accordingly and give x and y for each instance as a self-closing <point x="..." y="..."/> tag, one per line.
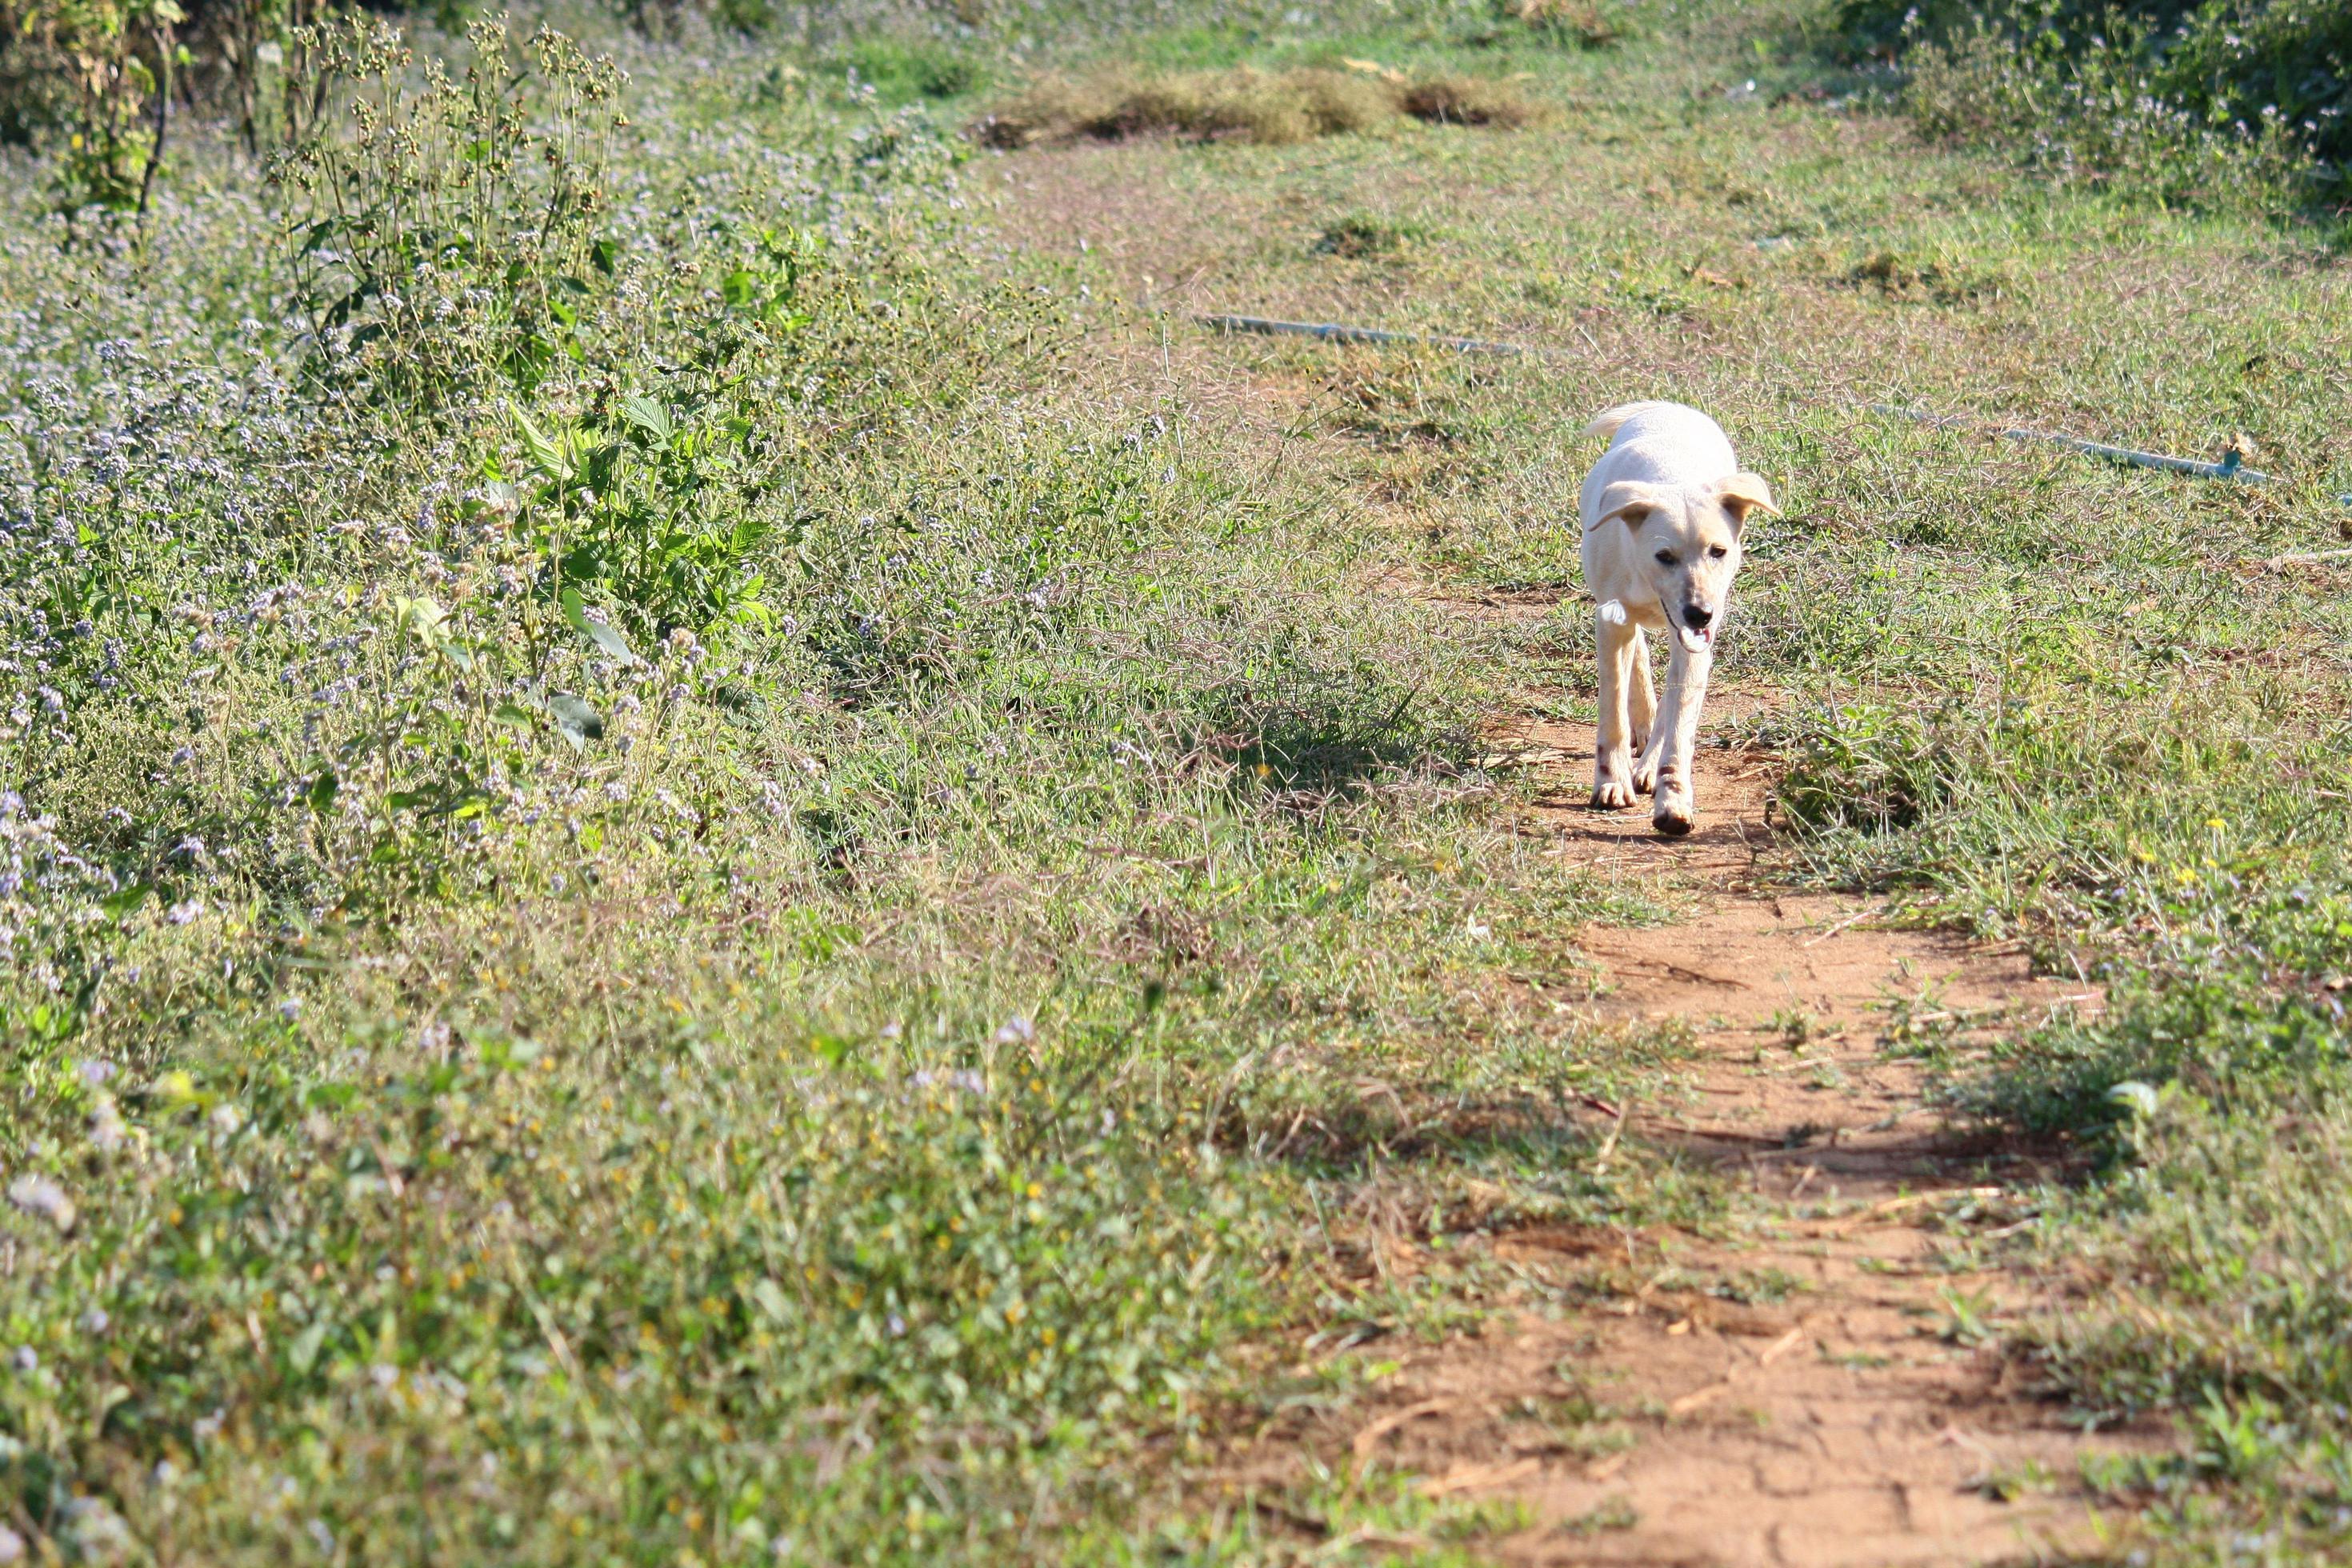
<point x="1677" y="723"/>
<point x="1642" y="703"/>
<point x="1613" y="760"/>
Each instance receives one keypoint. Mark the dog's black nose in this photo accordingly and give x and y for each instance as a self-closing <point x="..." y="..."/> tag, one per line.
<point x="1696" y="617"/>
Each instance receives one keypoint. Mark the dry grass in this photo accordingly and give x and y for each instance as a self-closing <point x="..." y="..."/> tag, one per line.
<point x="1243" y="104"/>
<point x="1467" y="101"/>
<point x="1582" y="20"/>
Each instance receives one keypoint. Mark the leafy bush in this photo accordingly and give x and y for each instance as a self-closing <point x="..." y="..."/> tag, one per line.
<point x="441" y="237"/>
<point x="902" y="68"/>
<point x="100" y="73"/>
<point x="2187" y="102"/>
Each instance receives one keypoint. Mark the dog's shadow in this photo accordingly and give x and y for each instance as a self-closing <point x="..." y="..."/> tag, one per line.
<point x="1731" y="830"/>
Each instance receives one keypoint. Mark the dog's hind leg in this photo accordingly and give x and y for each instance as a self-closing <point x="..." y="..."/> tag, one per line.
<point x="1642" y="703"/>
<point x="1612" y="762"/>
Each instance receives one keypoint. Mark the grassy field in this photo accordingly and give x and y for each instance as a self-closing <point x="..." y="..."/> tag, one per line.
<point x="751" y="868"/>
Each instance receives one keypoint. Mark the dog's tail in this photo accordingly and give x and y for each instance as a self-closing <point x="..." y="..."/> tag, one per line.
<point x="1605" y="422"/>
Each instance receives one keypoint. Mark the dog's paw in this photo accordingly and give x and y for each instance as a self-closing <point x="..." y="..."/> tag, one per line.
<point x="1612" y="795"/>
<point x="1672" y="809"/>
<point x="1645" y="779"/>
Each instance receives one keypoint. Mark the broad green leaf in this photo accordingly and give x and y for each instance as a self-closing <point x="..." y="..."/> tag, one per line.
<point x="122" y="906"/>
<point x="605" y="636"/>
<point x="574" y="719"/>
<point x="647" y="416"/>
<point x="544" y="452"/>
<point x="303" y="1354"/>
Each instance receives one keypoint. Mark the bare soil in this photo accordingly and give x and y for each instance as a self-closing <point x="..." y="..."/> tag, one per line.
<point x="1820" y="1388"/>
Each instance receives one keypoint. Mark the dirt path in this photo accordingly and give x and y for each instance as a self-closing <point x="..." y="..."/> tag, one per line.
<point x="1818" y="1389"/>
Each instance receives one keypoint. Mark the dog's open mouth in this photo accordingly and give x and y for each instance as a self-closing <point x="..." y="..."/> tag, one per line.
<point x="1698" y="639"/>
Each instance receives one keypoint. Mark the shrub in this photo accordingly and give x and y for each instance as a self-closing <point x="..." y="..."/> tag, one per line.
<point x="442" y="238"/>
<point x="99" y="71"/>
<point x="902" y="68"/>
<point x="2219" y="102"/>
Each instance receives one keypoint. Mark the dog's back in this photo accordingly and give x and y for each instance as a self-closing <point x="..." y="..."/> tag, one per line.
<point x="1659" y="443"/>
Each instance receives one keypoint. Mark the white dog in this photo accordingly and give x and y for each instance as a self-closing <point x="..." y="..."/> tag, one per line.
<point x="1663" y="510"/>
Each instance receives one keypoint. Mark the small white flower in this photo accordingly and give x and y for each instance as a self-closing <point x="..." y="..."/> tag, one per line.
<point x="1016" y="1031"/>
<point x="39" y="1195"/>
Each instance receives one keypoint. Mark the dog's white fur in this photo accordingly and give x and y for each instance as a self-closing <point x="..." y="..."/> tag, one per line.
<point x="1663" y="510"/>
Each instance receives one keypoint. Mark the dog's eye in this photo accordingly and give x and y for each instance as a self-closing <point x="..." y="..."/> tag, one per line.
<point x="1717" y="551"/>
<point x="1665" y="557"/>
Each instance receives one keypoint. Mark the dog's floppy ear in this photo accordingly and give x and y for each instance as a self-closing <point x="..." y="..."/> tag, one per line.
<point x="1744" y="493"/>
<point x="1630" y="501"/>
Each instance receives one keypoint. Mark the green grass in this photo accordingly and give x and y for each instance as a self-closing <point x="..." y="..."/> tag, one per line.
<point x="730" y="891"/>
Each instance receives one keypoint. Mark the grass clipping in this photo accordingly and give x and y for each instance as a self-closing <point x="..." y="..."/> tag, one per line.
<point x="1247" y="105"/>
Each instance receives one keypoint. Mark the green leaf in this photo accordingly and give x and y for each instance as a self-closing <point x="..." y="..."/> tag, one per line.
<point x="431" y="624"/>
<point x="508" y="713"/>
<point x="324" y="790"/>
<point x="303" y="1354"/>
<point x="771" y="1299"/>
<point x="122" y="906"/>
<point x="544" y="452"/>
<point x="425" y="618"/>
<point x="605" y="636"/>
<point x="649" y="416"/>
<point x="574" y="719"/>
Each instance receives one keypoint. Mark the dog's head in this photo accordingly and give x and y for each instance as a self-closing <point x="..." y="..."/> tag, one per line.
<point x="1686" y="542"/>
